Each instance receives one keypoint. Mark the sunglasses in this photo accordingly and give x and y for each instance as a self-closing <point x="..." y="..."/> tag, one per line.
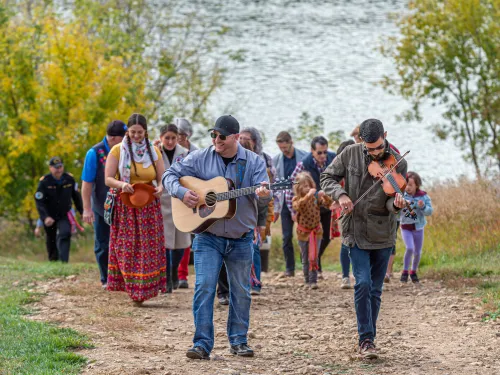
<point x="222" y="137"/>
<point x="321" y="152"/>
<point x="371" y="149"/>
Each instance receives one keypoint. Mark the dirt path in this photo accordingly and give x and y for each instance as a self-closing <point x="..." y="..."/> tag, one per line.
<point x="430" y="330"/>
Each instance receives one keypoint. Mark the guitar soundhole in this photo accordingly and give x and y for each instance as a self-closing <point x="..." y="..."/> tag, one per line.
<point x="210" y="199"/>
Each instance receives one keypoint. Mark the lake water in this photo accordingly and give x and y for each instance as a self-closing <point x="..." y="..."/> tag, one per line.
<point x="320" y="57"/>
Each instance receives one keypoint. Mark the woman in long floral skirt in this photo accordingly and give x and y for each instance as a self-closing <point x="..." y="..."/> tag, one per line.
<point x="137" y="262"/>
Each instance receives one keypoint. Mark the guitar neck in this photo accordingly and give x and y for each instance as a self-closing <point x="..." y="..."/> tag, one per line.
<point x="236" y="193"/>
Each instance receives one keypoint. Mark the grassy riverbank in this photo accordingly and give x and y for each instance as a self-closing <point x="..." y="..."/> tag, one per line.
<point x="26" y="346"/>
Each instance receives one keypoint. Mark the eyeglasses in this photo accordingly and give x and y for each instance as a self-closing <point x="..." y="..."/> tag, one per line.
<point x="183" y="135"/>
<point x="380" y="147"/>
<point x="222" y="137"/>
<point x="321" y="152"/>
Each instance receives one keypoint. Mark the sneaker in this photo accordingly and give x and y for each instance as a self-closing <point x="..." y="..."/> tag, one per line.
<point x="255" y="292"/>
<point x="387" y="278"/>
<point x="404" y="277"/>
<point x="367" y="349"/>
<point x="346" y="283"/>
<point x="414" y="278"/>
<point x="289" y="273"/>
<point x="197" y="352"/>
<point x="183" y="284"/>
<point x="224" y="300"/>
<point x="320" y="275"/>
<point x="314" y="286"/>
<point x="104" y="286"/>
<point x="242" y="350"/>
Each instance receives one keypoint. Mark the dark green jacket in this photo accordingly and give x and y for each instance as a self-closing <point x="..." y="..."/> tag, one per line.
<point x="372" y="224"/>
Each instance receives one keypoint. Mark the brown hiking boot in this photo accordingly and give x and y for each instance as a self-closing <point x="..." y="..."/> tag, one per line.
<point x="367" y="350"/>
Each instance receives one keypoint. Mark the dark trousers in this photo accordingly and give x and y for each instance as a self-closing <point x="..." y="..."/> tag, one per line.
<point x="174" y="257"/>
<point x="287" y="229"/>
<point x="326" y="219"/>
<point x="222" y="283"/>
<point x="58" y="240"/>
<point x="101" y="245"/>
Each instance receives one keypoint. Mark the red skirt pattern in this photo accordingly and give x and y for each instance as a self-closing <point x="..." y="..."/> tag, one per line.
<point x="137" y="259"/>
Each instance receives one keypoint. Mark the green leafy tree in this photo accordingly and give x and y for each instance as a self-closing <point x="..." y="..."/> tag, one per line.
<point x="448" y="55"/>
<point x="57" y="92"/>
<point x="67" y="68"/>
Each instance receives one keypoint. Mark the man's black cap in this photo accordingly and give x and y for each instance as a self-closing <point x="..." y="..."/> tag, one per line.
<point x="116" y="128"/>
<point x="226" y="125"/>
<point x="55" y="161"/>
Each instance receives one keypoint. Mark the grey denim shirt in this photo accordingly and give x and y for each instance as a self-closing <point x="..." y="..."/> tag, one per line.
<point x="372" y="224"/>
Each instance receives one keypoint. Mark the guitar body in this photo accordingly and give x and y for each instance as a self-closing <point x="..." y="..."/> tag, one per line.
<point x="208" y="211"/>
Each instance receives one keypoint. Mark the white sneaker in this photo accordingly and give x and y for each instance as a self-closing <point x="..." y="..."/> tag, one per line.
<point x="346" y="283"/>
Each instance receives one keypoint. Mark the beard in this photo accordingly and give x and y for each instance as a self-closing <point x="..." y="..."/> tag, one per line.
<point x="377" y="157"/>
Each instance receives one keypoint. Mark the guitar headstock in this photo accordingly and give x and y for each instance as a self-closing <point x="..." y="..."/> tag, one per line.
<point x="282" y="185"/>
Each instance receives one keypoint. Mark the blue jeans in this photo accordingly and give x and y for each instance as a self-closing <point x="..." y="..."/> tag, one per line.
<point x="368" y="267"/>
<point x="256" y="264"/>
<point x="101" y="245"/>
<point x="209" y="254"/>
<point x="345" y="262"/>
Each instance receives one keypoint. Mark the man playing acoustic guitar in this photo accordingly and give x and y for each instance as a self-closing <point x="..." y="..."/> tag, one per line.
<point x="228" y="240"/>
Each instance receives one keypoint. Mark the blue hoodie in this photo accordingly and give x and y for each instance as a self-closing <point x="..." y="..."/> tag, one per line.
<point x="421" y="212"/>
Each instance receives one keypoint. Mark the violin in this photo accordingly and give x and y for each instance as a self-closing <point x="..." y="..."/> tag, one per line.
<point x="392" y="181"/>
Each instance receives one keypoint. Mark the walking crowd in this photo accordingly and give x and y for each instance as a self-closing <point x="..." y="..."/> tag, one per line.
<point x="130" y="180"/>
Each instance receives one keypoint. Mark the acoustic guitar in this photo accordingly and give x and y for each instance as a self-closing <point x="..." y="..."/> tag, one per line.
<point x="217" y="201"/>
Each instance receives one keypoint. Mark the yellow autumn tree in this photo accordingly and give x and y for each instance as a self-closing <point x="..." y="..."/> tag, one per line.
<point x="58" y="90"/>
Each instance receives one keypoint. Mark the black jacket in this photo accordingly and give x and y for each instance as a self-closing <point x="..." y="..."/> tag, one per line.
<point x="54" y="199"/>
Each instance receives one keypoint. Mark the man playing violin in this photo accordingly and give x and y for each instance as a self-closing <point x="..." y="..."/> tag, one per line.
<point x="369" y="228"/>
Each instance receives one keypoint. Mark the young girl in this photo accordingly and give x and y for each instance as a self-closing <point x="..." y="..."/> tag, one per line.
<point x="412" y="230"/>
<point x="307" y="203"/>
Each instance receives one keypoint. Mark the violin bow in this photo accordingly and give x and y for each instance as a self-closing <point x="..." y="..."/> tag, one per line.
<point x="375" y="184"/>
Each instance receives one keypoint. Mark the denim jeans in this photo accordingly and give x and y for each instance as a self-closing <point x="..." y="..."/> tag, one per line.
<point x="101" y="245"/>
<point x="209" y="254"/>
<point x="368" y="267"/>
<point x="287" y="229"/>
<point x="256" y="264"/>
<point x="345" y="262"/>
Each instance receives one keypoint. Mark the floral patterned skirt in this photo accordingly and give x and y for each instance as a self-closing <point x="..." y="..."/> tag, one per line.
<point x="137" y="259"/>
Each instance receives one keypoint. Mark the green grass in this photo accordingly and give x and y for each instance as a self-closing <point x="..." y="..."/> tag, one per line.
<point x="29" y="347"/>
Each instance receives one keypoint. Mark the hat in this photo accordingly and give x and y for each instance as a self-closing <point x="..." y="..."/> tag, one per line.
<point x="141" y="197"/>
<point x="116" y="128"/>
<point x="184" y="126"/>
<point x="226" y="125"/>
<point x="56" y="161"/>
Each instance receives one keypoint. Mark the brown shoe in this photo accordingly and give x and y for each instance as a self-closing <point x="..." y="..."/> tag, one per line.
<point x="367" y="349"/>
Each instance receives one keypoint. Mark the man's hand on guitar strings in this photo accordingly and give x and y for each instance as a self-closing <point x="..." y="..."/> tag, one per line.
<point x="191" y="199"/>
<point x="263" y="191"/>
